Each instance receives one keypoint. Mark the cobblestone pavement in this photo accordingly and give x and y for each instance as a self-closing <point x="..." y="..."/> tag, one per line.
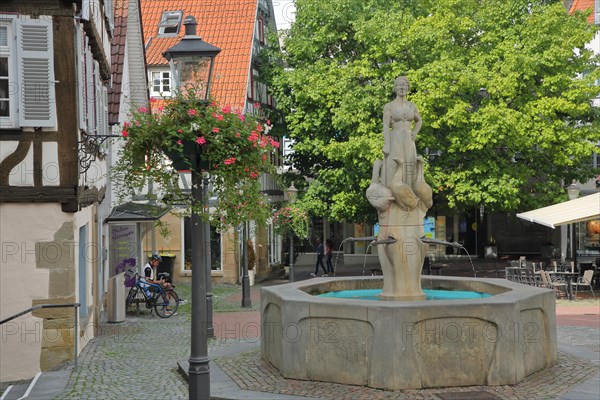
<point x="585" y="336"/>
<point x="133" y="360"/>
<point x="251" y="373"/>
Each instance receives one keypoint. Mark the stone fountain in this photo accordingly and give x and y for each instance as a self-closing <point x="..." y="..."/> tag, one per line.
<point x="406" y="342"/>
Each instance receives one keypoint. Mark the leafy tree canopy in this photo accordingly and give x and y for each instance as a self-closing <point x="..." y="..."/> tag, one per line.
<point x="508" y="147"/>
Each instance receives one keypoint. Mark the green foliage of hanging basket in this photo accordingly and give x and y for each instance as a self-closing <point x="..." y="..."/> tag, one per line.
<point x="291" y="217"/>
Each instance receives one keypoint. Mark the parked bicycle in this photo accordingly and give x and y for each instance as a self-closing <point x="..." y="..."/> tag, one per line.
<point x="164" y="301"/>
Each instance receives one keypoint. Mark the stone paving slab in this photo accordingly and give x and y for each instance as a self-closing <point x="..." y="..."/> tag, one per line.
<point x="251" y="373"/>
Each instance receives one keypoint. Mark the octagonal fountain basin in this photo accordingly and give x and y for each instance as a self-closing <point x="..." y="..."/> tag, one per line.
<point x="495" y="340"/>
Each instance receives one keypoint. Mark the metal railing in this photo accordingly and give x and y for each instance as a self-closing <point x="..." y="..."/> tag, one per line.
<point x="75" y="324"/>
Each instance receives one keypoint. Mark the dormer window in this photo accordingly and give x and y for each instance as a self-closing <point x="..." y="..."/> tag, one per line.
<point x="160" y="83"/>
<point x="170" y="23"/>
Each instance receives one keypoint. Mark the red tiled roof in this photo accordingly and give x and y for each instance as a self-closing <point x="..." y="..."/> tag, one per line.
<point x="226" y="24"/>
<point x="583" y="5"/>
<point x="117" y="56"/>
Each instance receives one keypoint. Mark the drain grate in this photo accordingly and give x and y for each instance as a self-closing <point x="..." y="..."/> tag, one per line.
<point x="475" y="395"/>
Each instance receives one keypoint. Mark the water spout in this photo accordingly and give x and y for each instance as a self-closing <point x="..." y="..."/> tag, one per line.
<point x="359" y="239"/>
<point x="425" y="239"/>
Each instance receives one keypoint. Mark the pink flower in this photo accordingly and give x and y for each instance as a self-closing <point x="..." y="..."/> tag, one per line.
<point x="253" y="136"/>
<point x="253" y="175"/>
<point x="179" y="141"/>
<point x="179" y="131"/>
<point x="153" y="100"/>
<point x="275" y="143"/>
<point x="160" y="108"/>
<point x="226" y="110"/>
<point x="124" y="133"/>
<point x="229" y="161"/>
<point x="216" y="130"/>
<point x="142" y="110"/>
<point x="217" y="116"/>
<point x="268" y="122"/>
<point x="126" y="124"/>
<point x="191" y="112"/>
<point x="212" y="104"/>
<point x="264" y="157"/>
<point x="200" y="140"/>
<point x="237" y="134"/>
<point x="256" y="105"/>
<point x="241" y="117"/>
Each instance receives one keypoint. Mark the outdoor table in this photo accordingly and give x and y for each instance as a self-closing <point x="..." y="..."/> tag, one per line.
<point x="568" y="277"/>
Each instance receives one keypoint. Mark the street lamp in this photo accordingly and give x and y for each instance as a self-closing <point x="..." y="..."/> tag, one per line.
<point x="290" y="195"/>
<point x="573" y="191"/>
<point x="191" y="62"/>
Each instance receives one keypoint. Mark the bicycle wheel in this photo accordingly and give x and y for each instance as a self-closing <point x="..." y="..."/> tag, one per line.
<point x="130" y="297"/>
<point x="166" y="304"/>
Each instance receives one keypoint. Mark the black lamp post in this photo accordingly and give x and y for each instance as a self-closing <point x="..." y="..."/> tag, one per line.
<point x="246" y="299"/>
<point x="290" y="195"/>
<point x="191" y="62"/>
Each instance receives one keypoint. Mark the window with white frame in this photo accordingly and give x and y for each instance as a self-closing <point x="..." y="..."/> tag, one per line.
<point x="6" y="70"/>
<point x="260" y="30"/>
<point x="597" y="12"/>
<point x="27" y="97"/>
<point x="160" y="83"/>
<point x="170" y="22"/>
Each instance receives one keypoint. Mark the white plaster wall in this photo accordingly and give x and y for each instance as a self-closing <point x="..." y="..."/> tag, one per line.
<point x="96" y="174"/>
<point x="82" y="218"/>
<point x="7" y="148"/>
<point x="21" y="282"/>
<point x="50" y="165"/>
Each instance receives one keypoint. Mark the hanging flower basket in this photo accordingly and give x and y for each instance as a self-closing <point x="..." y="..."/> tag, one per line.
<point x="291" y="218"/>
<point x="185" y="160"/>
<point x="235" y="148"/>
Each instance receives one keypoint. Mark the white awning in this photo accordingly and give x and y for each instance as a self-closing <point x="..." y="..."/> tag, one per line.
<point x="582" y="209"/>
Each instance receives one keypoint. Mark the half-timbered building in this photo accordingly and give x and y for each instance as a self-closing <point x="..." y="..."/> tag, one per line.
<point x="54" y="76"/>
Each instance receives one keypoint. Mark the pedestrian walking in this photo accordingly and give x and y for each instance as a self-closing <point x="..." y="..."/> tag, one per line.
<point x="329" y="255"/>
<point x="320" y="254"/>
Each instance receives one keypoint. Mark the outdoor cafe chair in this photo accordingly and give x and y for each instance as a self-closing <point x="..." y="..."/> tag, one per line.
<point x="585" y="280"/>
<point x="556" y="283"/>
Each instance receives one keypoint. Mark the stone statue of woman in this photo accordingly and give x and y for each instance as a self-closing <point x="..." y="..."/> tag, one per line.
<point x="399" y="142"/>
<point x="402" y="197"/>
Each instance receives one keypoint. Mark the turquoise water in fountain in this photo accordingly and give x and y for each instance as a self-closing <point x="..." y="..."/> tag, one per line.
<point x="431" y="294"/>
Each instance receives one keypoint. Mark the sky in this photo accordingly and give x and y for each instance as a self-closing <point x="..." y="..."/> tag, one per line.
<point x="284" y="13"/>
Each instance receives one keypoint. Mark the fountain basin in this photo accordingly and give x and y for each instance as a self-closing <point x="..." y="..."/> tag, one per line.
<point x="393" y="345"/>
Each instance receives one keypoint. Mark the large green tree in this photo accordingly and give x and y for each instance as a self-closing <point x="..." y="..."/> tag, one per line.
<point x="504" y="88"/>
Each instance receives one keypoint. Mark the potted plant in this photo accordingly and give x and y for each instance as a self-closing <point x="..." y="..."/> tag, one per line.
<point x="233" y="147"/>
<point x="490" y="249"/>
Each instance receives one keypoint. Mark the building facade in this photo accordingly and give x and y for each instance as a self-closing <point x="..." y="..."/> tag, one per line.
<point x="54" y="74"/>
<point x="240" y="29"/>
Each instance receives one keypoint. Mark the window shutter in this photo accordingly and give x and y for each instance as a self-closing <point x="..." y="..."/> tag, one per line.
<point x="35" y="58"/>
<point x="89" y="90"/>
<point x="80" y="53"/>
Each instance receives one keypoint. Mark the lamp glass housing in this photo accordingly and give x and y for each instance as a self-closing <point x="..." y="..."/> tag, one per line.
<point x="573" y="190"/>
<point x="192" y="72"/>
